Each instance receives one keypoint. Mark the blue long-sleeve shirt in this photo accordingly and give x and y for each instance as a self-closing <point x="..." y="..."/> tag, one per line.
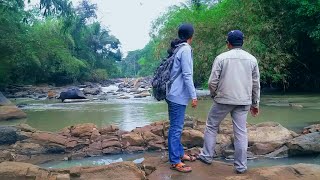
<point x="182" y="89"/>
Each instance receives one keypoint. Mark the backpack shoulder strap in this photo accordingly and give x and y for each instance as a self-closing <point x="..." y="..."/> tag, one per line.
<point x="175" y="52"/>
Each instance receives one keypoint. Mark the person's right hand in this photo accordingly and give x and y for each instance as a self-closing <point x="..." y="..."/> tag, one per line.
<point x="254" y="111"/>
<point x="194" y="103"/>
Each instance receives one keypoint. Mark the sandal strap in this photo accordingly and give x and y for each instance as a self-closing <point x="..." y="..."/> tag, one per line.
<point x="180" y="165"/>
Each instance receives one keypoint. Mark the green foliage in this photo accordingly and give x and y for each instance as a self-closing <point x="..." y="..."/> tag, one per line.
<point x="56" y="7"/>
<point x="283" y="35"/>
<point x="55" y="48"/>
<point x="141" y="62"/>
<point x="129" y="66"/>
<point x="99" y="75"/>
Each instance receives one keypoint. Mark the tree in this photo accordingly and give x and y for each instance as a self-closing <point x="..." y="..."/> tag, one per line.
<point x="65" y="45"/>
<point x="283" y="35"/>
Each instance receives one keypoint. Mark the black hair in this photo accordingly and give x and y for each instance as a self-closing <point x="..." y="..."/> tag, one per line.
<point x="173" y="45"/>
<point x="185" y="32"/>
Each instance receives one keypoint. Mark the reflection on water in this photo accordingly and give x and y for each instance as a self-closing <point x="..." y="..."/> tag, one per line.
<point x="129" y="114"/>
<point x="284" y="161"/>
<point x="97" y="161"/>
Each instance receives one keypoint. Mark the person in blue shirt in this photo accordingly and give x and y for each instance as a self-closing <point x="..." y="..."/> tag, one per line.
<point x="182" y="90"/>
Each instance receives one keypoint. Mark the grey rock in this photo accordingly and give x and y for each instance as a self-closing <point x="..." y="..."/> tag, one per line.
<point x="279" y="153"/>
<point x="305" y="144"/>
<point x="8" y="135"/>
<point x="4" y="100"/>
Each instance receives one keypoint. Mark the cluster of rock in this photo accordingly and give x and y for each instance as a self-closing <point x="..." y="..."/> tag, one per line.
<point x="126" y="88"/>
<point x="116" y="171"/>
<point x="138" y="88"/>
<point x="29" y="91"/>
<point x="269" y="140"/>
<point x="155" y="168"/>
<point x="220" y="170"/>
<point x="23" y="143"/>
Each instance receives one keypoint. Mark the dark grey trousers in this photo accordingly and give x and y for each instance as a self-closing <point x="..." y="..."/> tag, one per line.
<point x="239" y="118"/>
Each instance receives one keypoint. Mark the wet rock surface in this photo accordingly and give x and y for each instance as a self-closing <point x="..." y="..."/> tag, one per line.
<point x="24" y="143"/>
<point x="220" y="170"/>
<point x="117" y="171"/>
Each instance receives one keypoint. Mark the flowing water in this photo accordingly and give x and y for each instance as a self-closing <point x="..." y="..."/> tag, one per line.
<point x="139" y="157"/>
<point x="131" y="113"/>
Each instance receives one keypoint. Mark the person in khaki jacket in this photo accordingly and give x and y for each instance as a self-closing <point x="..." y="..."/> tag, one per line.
<point x="234" y="84"/>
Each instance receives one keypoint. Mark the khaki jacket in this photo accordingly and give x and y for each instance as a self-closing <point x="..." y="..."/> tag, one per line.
<point x="235" y="78"/>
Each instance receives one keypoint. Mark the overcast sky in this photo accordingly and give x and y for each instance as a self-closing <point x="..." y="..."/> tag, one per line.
<point x="130" y="20"/>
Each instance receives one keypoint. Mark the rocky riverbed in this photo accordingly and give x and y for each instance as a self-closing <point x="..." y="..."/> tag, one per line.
<point x="118" y="88"/>
<point x="23" y="143"/>
<point x="155" y="168"/>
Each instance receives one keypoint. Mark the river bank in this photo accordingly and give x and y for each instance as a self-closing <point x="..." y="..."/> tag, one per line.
<point x="23" y="143"/>
<point x="156" y="169"/>
<point x="137" y="128"/>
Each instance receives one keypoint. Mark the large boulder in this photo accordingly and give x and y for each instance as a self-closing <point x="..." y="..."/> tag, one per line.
<point x="132" y="139"/>
<point x="29" y="148"/>
<point x="19" y="171"/>
<point x="311" y="129"/>
<point x="279" y="153"/>
<point x="292" y="172"/>
<point x="82" y="130"/>
<point x="115" y="171"/>
<point x="264" y="148"/>
<point x="8" y="135"/>
<point x="72" y="94"/>
<point x="11" y="112"/>
<point x="220" y="170"/>
<point x="108" y="129"/>
<point x="26" y="128"/>
<point x="106" y="143"/>
<point x="150" y="163"/>
<point x="155" y="128"/>
<point x="269" y="132"/>
<point x="305" y="144"/>
<point x="50" y="137"/>
<point x="6" y="156"/>
<point x="192" y="138"/>
<point x="154" y="142"/>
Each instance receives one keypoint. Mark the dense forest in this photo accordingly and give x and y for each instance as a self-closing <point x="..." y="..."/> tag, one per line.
<point x="61" y="43"/>
<point x="283" y="35"/>
<point x="54" y="42"/>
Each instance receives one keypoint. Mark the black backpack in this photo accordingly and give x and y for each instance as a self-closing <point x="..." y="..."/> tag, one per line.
<point x="161" y="82"/>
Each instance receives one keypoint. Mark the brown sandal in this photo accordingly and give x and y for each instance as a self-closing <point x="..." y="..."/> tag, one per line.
<point x="188" y="157"/>
<point x="181" y="168"/>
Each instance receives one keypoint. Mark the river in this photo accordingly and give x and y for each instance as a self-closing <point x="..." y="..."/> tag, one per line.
<point x="131" y="113"/>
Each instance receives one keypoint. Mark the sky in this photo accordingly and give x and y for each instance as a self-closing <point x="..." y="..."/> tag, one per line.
<point x="130" y="20"/>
